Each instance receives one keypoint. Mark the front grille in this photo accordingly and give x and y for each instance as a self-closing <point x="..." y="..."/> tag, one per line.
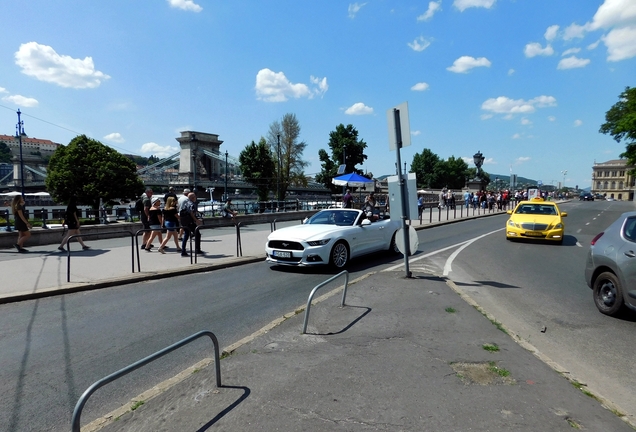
<point x="285" y="245"/>
<point x="531" y="226"/>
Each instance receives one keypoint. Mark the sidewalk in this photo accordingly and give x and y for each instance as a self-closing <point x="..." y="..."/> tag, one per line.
<point x="43" y="271"/>
<point x="402" y="355"/>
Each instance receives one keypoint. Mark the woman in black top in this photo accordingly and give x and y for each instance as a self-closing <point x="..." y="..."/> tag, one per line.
<point x="22" y="225"/>
<point x="155" y="220"/>
<point x="72" y="223"/>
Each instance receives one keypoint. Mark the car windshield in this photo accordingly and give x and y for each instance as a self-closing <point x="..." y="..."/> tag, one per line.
<point x="536" y="209"/>
<point x="334" y="217"/>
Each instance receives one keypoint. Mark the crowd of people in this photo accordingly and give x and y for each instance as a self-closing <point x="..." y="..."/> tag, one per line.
<point x="178" y="218"/>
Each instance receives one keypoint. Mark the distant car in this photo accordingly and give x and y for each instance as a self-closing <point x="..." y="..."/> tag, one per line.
<point x="536" y="220"/>
<point x="331" y="237"/>
<point x="598" y="196"/>
<point x="610" y="269"/>
<point x="586" y="197"/>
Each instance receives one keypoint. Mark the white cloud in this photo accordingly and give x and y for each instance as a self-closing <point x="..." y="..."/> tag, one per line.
<point x="421" y="86"/>
<point x="3" y="90"/>
<point x="466" y="63"/>
<point x="570" y="51"/>
<point x="21" y="101"/>
<point x="551" y="32"/>
<point x="620" y="43"/>
<point x="114" y="137"/>
<point x="359" y="109"/>
<point x="516" y="136"/>
<point x="432" y="8"/>
<point x="572" y="62"/>
<point x="416" y="133"/>
<point x="522" y="159"/>
<point x="593" y="46"/>
<point x="505" y="105"/>
<point x="275" y="87"/>
<point x="465" y="4"/>
<point x="511" y="71"/>
<point x="577" y="123"/>
<point x="534" y="49"/>
<point x="551" y="118"/>
<point x="486" y="116"/>
<point x="187" y="5"/>
<point x="354" y="8"/>
<point x="157" y="150"/>
<point x="574" y="31"/>
<point x="419" y="44"/>
<point x="525" y="122"/>
<point x="43" y="63"/>
<point x="614" y="13"/>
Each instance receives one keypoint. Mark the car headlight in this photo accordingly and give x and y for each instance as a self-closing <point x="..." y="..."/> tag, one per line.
<point x="558" y="226"/>
<point x="511" y="223"/>
<point x="318" y="242"/>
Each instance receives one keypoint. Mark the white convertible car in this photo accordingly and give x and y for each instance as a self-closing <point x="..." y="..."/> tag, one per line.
<point x="332" y="237"/>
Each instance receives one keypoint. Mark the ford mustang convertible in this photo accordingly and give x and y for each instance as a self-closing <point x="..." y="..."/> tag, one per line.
<point x="331" y="237"/>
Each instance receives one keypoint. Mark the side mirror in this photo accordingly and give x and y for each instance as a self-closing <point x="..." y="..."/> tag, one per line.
<point x="365" y="222"/>
<point x="564" y="214"/>
<point x="509" y="212"/>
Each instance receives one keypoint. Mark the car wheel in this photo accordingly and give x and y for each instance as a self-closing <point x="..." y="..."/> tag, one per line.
<point x="608" y="294"/>
<point x="339" y="256"/>
<point x="393" y="247"/>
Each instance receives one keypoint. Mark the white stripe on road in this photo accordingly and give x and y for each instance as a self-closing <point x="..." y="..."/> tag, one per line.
<point x="449" y="261"/>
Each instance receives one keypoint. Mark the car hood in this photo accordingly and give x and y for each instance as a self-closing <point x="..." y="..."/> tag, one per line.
<point x="306" y="232"/>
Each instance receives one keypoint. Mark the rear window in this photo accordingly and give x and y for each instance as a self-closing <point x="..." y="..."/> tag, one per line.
<point x="629" y="229"/>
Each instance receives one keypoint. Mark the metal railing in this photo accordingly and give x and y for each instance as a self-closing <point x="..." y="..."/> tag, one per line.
<point x="313" y="292"/>
<point x="110" y="233"/>
<point x="239" y="247"/>
<point x="77" y="412"/>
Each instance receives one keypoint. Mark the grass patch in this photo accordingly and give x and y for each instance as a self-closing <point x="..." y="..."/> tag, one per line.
<point x="583" y="388"/>
<point x="136" y="405"/>
<point x="492" y="366"/>
<point x="450" y="310"/>
<point x="491" y="347"/>
<point x="572" y="423"/>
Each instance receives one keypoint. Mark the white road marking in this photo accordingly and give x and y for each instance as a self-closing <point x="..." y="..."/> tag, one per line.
<point x="578" y="231"/>
<point x="579" y="244"/>
<point x="449" y="261"/>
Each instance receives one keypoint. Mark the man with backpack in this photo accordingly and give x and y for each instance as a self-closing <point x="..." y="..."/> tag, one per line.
<point x="190" y="221"/>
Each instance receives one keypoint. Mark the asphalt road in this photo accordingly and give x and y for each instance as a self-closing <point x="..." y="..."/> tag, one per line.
<point x="53" y="349"/>
<point x="529" y="286"/>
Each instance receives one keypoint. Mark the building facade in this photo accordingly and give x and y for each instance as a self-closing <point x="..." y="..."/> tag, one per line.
<point x="612" y="179"/>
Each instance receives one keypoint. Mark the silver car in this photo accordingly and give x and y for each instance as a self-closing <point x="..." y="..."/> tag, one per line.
<point x="610" y="270"/>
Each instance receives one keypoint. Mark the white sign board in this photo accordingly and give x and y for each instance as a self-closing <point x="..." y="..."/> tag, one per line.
<point x="395" y="202"/>
<point x="404" y="125"/>
<point x="414" y="241"/>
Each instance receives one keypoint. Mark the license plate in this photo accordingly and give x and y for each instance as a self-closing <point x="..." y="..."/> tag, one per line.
<point x="282" y="254"/>
<point x="534" y="234"/>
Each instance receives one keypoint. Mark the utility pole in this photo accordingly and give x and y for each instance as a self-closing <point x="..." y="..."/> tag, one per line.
<point x="19" y="131"/>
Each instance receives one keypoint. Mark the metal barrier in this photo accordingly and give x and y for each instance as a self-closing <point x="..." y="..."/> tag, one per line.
<point x="6" y="216"/>
<point x="117" y="234"/>
<point x="311" y="296"/>
<point x="272" y="225"/>
<point x="77" y="412"/>
<point x="239" y="247"/>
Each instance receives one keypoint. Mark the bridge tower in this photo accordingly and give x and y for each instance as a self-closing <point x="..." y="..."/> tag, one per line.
<point x="200" y="156"/>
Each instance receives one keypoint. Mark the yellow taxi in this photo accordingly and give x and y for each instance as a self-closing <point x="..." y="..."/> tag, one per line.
<point x="536" y="220"/>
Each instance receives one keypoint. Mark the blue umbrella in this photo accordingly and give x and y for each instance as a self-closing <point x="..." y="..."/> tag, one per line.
<point x="352" y="180"/>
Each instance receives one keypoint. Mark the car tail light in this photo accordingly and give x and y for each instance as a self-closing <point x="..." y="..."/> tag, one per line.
<point x="598" y="236"/>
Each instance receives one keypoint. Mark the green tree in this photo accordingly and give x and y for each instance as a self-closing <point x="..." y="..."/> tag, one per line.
<point x="288" y="155"/>
<point x="89" y="170"/>
<point x="620" y="122"/>
<point x="453" y="173"/>
<point x="258" y="167"/>
<point x="346" y="149"/>
<point x="426" y="166"/>
<point x="5" y="153"/>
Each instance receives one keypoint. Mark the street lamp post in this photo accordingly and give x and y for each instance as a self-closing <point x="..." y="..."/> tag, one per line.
<point x="226" y="195"/>
<point x="19" y="131"/>
<point x="564" y="172"/>
<point x="278" y="171"/>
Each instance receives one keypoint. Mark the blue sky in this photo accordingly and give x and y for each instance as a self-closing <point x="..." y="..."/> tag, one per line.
<point x="526" y="82"/>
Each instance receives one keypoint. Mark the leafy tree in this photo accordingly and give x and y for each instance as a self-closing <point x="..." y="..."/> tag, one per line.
<point x="620" y="122"/>
<point x="5" y="153"/>
<point x="89" y="170"/>
<point x="258" y="167"/>
<point x="426" y="167"/>
<point x="346" y="149"/>
<point x="453" y="173"/>
<point x="289" y="162"/>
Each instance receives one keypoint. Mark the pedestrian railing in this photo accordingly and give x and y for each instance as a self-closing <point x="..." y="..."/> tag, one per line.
<point x="100" y="234"/>
<point x="313" y="292"/>
<point x="77" y="412"/>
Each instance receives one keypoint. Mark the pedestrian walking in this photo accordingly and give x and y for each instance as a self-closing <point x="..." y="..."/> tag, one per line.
<point x="180" y="202"/>
<point x="73" y="224"/>
<point x="190" y="221"/>
<point x="170" y="222"/>
<point x="22" y="225"/>
<point x="155" y="221"/>
<point x="146" y="198"/>
<point x="347" y="199"/>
